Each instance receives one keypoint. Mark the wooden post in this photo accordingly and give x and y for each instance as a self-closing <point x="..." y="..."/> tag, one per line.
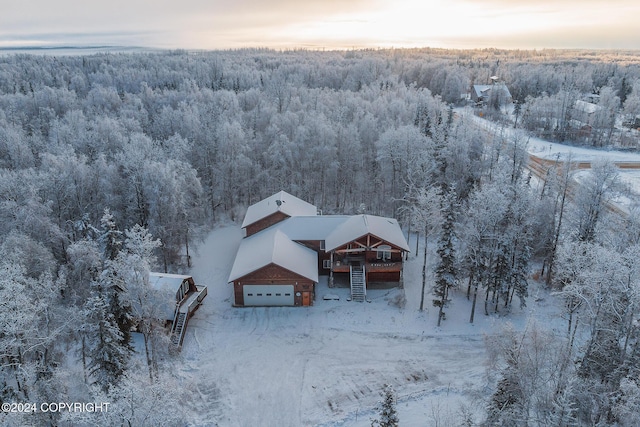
<point x="331" y="270"/>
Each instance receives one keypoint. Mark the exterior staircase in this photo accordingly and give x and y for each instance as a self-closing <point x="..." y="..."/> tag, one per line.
<point x="179" y="326"/>
<point x="358" y="285"/>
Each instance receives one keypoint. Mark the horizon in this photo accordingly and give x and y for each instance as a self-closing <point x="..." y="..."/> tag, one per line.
<point x="323" y="25"/>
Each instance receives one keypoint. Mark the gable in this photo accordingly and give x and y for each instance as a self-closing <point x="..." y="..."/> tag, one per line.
<point x="272" y="246"/>
<point x="272" y="273"/>
<point x="280" y="202"/>
<point x="370" y="242"/>
<point x="357" y="226"/>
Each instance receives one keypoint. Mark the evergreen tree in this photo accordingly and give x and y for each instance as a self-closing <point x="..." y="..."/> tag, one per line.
<point x="504" y="406"/>
<point x="119" y="306"/>
<point x="108" y="358"/>
<point x="111" y="240"/>
<point x="110" y="236"/>
<point x="446" y="270"/>
<point x="388" y="413"/>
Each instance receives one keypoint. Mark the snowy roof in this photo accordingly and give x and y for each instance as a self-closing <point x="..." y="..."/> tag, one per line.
<point x="357" y="226"/>
<point x="162" y="281"/>
<point x="279" y="202"/>
<point x="481" y="90"/>
<point x="272" y="246"/>
<point x="587" y="107"/>
<point x="306" y="228"/>
<point x="484" y="90"/>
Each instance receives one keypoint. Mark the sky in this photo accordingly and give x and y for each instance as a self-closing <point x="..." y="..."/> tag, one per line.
<point x="322" y="24"/>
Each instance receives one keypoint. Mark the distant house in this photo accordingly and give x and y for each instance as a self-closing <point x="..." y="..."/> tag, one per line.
<point x="498" y="90"/>
<point x="184" y="298"/>
<point x="280" y="259"/>
<point x="583" y="113"/>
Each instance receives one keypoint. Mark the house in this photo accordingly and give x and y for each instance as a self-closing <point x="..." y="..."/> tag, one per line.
<point x="183" y="299"/>
<point x="286" y="249"/>
<point x="583" y="117"/>
<point x="498" y="90"/>
<point x="583" y="113"/>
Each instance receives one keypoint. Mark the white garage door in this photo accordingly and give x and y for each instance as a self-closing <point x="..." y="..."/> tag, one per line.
<point x="262" y="295"/>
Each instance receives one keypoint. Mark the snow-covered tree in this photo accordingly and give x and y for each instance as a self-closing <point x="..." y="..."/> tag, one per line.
<point x="136" y="401"/>
<point x="481" y="235"/>
<point x="632" y="105"/>
<point x="134" y="264"/>
<point x="446" y="271"/>
<point x="32" y="324"/>
<point x="423" y="212"/>
<point x="110" y="236"/>
<point x="600" y="288"/>
<point x="108" y="354"/>
<point x="604" y="118"/>
<point x="388" y="413"/>
<point x="592" y="197"/>
<point x="534" y="384"/>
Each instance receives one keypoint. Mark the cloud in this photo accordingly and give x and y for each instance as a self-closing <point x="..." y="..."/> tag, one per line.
<point x="210" y="24"/>
<point x="172" y="22"/>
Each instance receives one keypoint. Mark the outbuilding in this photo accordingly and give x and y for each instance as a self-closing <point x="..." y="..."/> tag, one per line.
<point x="183" y="299"/>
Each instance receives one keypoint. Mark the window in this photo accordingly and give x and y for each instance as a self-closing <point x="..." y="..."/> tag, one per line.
<point x="384" y="252"/>
<point x="249" y="295"/>
<point x="326" y="263"/>
<point x="322" y="246"/>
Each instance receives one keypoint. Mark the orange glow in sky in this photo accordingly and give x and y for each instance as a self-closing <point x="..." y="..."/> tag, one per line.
<point x="330" y="24"/>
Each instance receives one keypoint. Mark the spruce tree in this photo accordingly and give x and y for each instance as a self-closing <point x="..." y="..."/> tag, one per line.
<point x="446" y="271"/>
<point x="108" y="358"/>
<point x="388" y="413"/>
<point x="110" y="237"/>
<point x="111" y="240"/>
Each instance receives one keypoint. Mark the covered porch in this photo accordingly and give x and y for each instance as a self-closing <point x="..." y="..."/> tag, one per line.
<point x="365" y="270"/>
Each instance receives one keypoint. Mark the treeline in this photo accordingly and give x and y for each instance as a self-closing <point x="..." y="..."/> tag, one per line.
<point x="111" y="165"/>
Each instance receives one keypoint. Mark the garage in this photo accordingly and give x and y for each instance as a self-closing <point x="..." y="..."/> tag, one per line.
<point x="268" y="295"/>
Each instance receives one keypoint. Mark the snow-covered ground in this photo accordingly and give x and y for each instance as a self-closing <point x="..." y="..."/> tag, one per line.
<point x="552" y="150"/>
<point x="627" y="195"/>
<point x="326" y="365"/>
<point x="628" y="199"/>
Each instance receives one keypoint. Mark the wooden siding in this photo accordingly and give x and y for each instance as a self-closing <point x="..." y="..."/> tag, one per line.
<point x="274" y="275"/>
<point x="365" y="251"/>
<point x="265" y="222"/>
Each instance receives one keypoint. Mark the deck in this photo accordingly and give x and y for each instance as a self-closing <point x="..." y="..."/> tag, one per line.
<point x="370" y="267"/>
<point x="191" y="302"/>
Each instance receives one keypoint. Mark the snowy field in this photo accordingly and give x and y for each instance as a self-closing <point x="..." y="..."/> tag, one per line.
<point x="326" y="365"/>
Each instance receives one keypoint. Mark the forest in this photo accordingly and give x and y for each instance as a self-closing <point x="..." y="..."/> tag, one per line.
<point x="115" y="164"/>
